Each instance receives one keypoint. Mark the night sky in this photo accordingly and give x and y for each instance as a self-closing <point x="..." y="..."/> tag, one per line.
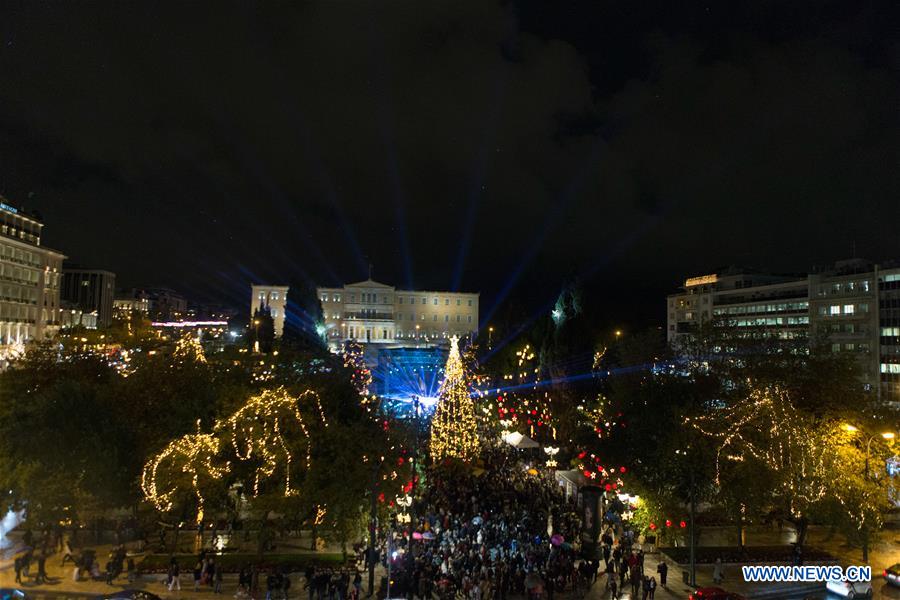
<point x="496" y="147"/>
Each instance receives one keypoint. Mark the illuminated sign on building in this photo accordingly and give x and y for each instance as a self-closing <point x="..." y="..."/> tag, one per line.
<point x="5" y="206"/>
<point x="703" y="279"/>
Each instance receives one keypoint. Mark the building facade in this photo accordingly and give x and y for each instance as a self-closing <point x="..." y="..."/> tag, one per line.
<point x="275" y="298"/>
<point x="852" y="307"/>
<point x="29" y="279"/>
<point x="375" y="313"/>
<point x="157" y="304"/>
<point x="91" y="291"/>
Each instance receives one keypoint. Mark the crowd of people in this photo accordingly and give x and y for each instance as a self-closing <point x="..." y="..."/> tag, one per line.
<point x="624" y="565"/>
<point x="505" y="532"/>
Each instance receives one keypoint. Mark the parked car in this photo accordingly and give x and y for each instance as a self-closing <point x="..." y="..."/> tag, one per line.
<point x="892" y="575"/>
<point x="12" y="594"/>
<point x="714" y="593"/>
<point x="850" y="590"/>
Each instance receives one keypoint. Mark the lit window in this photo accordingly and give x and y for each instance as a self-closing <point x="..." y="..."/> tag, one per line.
<point x="834" y="309"/>
<point x="848" y="309"/>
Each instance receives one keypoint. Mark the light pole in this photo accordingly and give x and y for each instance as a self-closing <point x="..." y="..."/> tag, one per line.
<point x="417" y="335"/>
<point x="415" y="442"/>
<point x="887" y="436"/>
<point x="490" y="338"/>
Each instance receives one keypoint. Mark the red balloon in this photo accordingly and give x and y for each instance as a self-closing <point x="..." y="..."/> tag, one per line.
<point x="683" y="524"/>
<point x="668" y="522"/>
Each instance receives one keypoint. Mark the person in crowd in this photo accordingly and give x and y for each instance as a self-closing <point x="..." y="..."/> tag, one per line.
<point x="174" y="575"/>
<point x="218" y="576"/>
<point x="718" y="572"/>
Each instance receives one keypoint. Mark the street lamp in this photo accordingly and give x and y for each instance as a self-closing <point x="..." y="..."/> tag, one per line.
<point x="885" y="435"/>
<point x="490" y="337"/>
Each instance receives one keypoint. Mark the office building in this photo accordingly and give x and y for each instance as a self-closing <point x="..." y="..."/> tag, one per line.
<point x="274" y="299"/>
<point x="374" y="313"/>
<point x="852" y="307"/>
<point x="29" y="279"/>
<point x="742" y="298"/>
<point x="157" y="304"/>
<point x="91" y="291"/>
<point x="124" y="306"/>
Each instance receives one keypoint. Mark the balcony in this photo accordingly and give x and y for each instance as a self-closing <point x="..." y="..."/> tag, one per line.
<point x="368" y="316"/>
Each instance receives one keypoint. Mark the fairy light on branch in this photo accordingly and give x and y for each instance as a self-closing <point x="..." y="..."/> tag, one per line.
<point x="261" y="430"/>
<point x="192" y="458"/>
<point x="767" y="428"/>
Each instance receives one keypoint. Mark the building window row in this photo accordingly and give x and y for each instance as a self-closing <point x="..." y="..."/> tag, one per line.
<point x="764" y="321"/>
<point x="844" y="287"/>
<point x="762" y="308"/>
<point x="836" y="310"/>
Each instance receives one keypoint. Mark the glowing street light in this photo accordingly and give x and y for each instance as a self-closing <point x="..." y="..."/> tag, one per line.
<point x="886" y="435"/>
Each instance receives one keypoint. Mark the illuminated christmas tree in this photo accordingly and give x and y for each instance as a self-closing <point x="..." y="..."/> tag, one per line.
<point x="188" y="350"/>
<point x="453" y="428"/>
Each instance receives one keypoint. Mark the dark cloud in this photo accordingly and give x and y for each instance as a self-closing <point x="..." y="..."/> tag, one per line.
<point x="200" y="146"/>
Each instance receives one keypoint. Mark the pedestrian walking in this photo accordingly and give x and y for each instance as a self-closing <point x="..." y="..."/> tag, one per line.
<point x="718" y="572"/>
<point x="132" y="571"/>
<point x="271" y="584"/>
<point x="198" y="573"/>
<point x="285" y="586"/>
<point x="652" y="587"/>
<point x="663" y="569"/>
<point x="67" y="552"/>
<point x="217" y="586"/>
<point x="42" y="569"/>
<point x="17" y="565"/>
<point x="174" y="575"/>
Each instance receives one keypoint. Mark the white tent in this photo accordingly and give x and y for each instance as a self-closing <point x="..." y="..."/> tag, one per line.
<point x="517" y="440"/>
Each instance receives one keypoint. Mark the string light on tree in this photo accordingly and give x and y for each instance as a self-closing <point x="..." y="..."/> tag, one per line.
<point x="453" y="427"/>
<point x="265" y="428"/>
<point x="188" y="460"/>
